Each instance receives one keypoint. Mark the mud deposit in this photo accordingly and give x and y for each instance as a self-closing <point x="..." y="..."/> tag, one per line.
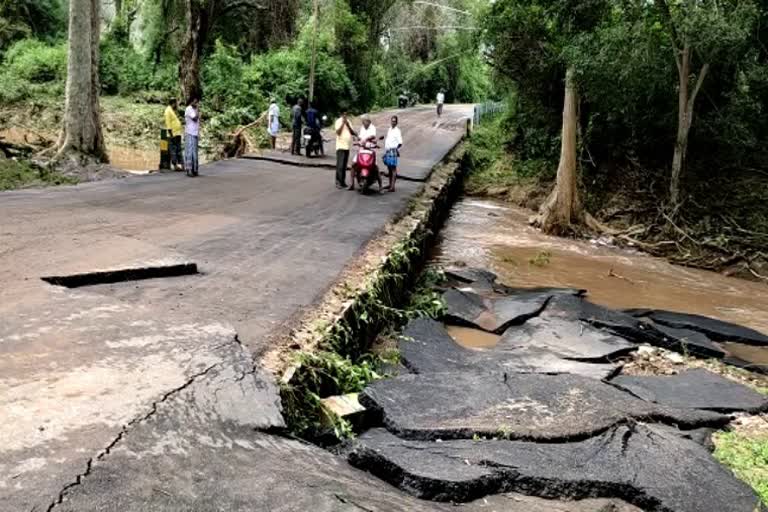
<point x="496" y="236"/>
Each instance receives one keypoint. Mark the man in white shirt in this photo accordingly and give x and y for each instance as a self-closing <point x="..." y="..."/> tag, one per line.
<point x="392" y="145"/>
<point x="368" y="131"/>
<point x="192" y="136"/>
<point x="440" y="103"/>
<point x="273" y="122"/>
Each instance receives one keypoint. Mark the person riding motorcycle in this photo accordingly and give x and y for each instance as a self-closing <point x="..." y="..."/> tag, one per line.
<point x="366" y="135"/>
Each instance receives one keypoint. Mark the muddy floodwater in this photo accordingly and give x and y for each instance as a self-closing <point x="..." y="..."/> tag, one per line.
<point x="122" y="157"/>
<point x="494" y="235"/>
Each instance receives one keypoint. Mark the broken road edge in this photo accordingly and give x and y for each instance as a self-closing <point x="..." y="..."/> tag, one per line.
<point x="328" y="354"/>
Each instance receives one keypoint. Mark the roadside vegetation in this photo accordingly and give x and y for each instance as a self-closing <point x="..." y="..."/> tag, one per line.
<point x="237" y="57"/>
<point x="666" y="146"/>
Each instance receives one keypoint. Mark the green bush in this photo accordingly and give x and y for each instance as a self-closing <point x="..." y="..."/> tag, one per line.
<point x="123" y="70"/>
<point x="36" y="62"/>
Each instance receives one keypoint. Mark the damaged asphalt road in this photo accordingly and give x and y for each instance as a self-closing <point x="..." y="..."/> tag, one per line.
<point x="84" y="371"/>
<point x="470" y="423"/>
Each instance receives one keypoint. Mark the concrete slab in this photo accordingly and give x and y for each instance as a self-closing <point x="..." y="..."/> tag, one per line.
<point x="652" y="469"/>
<point x="514" y="406"/>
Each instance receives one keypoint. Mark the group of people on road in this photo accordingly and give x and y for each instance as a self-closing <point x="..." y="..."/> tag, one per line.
<point x="190" y="161"/>
<point x="367" y="133"/>
<point x="345" y="136"/>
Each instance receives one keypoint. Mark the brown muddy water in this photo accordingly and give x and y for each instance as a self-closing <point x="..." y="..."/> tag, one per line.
<point x="137" y="160"/>
<point x="473" y="338"/>
<point x="494" y="235"/>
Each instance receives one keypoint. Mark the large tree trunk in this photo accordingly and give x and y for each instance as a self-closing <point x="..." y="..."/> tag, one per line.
<point x="685" y="103"/>
<point x="197" y="17"/>
<point x="563" y="207"/>
<point x="81" y="133"/>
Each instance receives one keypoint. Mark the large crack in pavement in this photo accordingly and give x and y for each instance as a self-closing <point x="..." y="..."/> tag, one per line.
<point x="103" y="453"/>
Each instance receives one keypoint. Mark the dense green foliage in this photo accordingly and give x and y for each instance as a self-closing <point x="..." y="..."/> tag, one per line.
<point x="625" y="63"/>
<point x="245" y="63"/>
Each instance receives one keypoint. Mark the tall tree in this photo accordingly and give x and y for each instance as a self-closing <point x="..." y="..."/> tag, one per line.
<point x="563" y="208"/>
<point x="81" y="136"/>
<point x="201" y="16"/>
<point x="703" y="32"/>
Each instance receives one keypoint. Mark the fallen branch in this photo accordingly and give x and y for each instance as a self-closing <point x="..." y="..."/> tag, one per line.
<point x="759" y="276"/>
<point x="240" y="141"/>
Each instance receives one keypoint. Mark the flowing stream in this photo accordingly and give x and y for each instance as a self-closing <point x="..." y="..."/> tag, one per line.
<point x="494" y="235"/>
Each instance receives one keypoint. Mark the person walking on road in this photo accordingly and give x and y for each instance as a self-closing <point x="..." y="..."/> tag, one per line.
<point x="440" y="102"/>
<point x="344" y="134"/>
<point x="273" y="122"/>
<point x="192" y="136"/>
<point x="173" y="125"/>
<point x="297" y="121"/>
<point x="392" y="145"/>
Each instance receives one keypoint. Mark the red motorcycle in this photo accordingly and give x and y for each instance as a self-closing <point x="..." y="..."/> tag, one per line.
<point x="366" y="170"/>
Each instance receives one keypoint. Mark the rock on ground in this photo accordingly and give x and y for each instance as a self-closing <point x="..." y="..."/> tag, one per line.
<point x="426" y="347"/>
<point x="649" y="468"/>
<point x="515" y="406"/>
<point x="695" y="389"/>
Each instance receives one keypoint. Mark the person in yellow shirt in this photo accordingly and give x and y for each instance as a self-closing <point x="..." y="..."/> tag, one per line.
<point x="173" y="124"/>
<point x="344" y="134"/>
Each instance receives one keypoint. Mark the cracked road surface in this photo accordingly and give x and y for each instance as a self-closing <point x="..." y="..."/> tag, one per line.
<point x="85" y="373"/>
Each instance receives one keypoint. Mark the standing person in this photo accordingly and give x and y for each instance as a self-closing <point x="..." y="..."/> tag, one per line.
<point x="367" y="134"/>
<point x="440" y="102"/>
<point x="344" y="134"/>
<point x="297" y="113"/>
<point x="313" y="123"/>
<point x="392" y="145"/>
<point x="192" y="136"/>
<point x="273" y="122"/>
<point x="173" y="125"/>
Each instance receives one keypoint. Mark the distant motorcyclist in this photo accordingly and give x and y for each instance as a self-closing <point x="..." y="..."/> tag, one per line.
<point x="402" y="100"/>
<point x="314" y="125"/>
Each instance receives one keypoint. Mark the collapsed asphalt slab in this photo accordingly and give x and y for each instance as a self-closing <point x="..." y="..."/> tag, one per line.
<point x="696" y="389"/>
<point x="716" y="330"/>
<point x="426" y="347"/>
<point x="492" y="314"/>
<point x="515" y="406"/>
<point x="200" y="450"/>
<point x="569" y="339"/>
<point x="650" y="468"/>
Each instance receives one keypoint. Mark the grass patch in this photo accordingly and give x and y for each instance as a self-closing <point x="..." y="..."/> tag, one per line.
<point x="747" y="457"/>
<point x="20" y="174"/>
<point x="542" y="259"/>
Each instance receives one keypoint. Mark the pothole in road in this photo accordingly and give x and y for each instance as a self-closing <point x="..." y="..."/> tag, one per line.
<point x="122" y="275"/>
